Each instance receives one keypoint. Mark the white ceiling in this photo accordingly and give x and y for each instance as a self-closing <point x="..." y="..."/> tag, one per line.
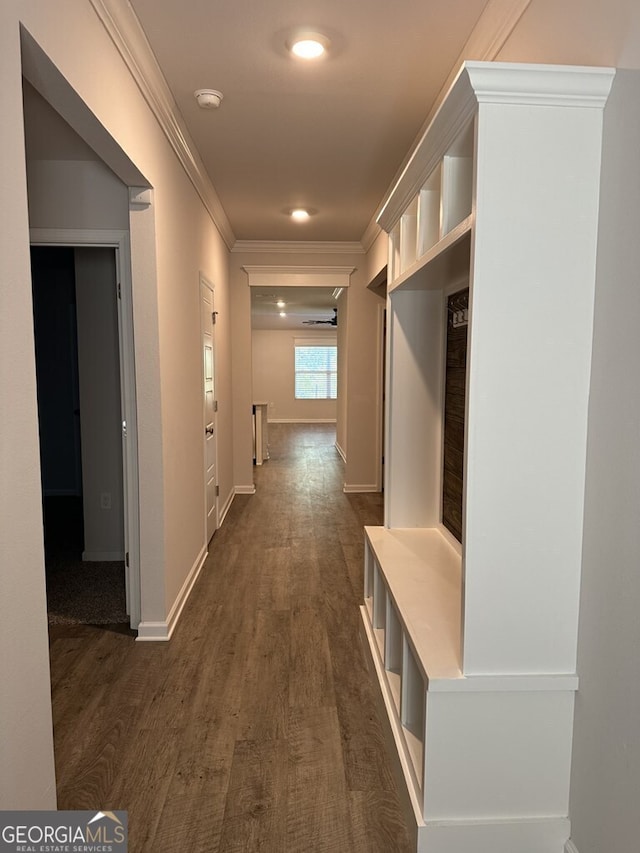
<point x="304" y="307"/>
<point x="328" y="135"/>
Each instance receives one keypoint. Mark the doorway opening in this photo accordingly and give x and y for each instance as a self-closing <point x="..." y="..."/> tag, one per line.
<point x="82" y="424"/>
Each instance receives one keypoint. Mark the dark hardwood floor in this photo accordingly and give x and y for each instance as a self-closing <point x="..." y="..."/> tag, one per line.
<point x="255" y="728"/>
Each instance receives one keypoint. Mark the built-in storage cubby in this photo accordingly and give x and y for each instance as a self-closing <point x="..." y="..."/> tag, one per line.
<point x="472" y="583"/>
<point x="440" y="205"/>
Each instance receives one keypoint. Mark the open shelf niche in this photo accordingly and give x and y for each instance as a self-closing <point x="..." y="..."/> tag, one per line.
<point x="473" y="642"/>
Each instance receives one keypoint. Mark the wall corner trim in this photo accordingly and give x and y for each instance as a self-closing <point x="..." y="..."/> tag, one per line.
<point x="162" y="631"/>
<point x="570" y="847"/>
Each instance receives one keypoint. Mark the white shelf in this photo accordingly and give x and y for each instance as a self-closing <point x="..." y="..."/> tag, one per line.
<point x="421" y="574"/>
<point x="446" y="261"/>
<point x="475" y="647"/>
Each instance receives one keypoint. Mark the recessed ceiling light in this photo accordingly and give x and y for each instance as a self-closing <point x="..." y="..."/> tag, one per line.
<point x="299" y="214"/>
<point x="309" y="45"/>
<point x="280" y="303"/>
<point x="283" y="313"/>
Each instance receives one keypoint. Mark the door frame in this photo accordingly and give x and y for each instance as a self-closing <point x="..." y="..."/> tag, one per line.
<point x="206" y="282"/>
<point x="120" y="242"/>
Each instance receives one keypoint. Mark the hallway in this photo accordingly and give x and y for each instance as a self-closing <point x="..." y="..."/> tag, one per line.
<point x="255" y="727"/>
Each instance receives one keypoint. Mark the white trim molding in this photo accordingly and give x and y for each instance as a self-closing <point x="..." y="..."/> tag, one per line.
<point x="496" y="23"/>
<point x="570" y="847"/>
<point x="162" y="631"/>
<point x="293" y="247"/>
<point x="226" y="507"/>
<point x="126" y="33"/>
<point x="245" y="490"/>
<point x="341" y="453"/>
<point x="354" y="489"/>
<point x="495" y="83"/>
<point x="298" y="276"/>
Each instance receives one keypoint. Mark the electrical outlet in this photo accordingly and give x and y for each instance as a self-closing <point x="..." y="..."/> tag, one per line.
<point x="105" y="500"/>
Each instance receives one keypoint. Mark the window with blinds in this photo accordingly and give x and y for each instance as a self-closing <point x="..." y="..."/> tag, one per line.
<point x="316" y="371"/>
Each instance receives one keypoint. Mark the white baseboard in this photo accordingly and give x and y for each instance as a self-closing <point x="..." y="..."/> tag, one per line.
<point x="162" y="631"/>
<point x="222" y="514"/>
<point x="350" y="488"/>
<point x="103" y="556"/>
<point x="302" y="420"/>
<point x="342" y="453"/>
<point x="570" y="847"/>
<point x="245" y="490"/>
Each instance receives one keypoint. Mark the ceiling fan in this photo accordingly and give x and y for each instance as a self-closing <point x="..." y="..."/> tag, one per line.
<point x="332" y="322"/>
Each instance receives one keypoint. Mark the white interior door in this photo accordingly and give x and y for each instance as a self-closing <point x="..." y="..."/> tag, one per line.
<point x="210" y="406"/>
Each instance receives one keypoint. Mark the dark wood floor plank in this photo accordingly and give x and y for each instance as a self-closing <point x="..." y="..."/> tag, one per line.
<point x="311" y="681"/>
<point x="255" y="727"/>
<point x="376" y="825"/>
<point x="274" y="582"/>
<point x="256" y="805"/>
<point x="318" y="815"/>
<point x="265" y="696"/>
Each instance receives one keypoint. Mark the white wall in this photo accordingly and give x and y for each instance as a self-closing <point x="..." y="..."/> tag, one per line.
<point x="27" y="777"/>
<point x="606" y="753"/>
<point x="357" y="431"/>
<point x="343" y="374"/>
<point x="100" y="410"/>
<point x="76" y="194"/>
<point x="171" y="243"/>
<point x="273" y="376"/>
<point x="364" y="338"/>
<point x="606" y="749"/>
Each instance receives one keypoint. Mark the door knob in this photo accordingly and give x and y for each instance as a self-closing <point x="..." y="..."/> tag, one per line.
<point x="209" y="430"/>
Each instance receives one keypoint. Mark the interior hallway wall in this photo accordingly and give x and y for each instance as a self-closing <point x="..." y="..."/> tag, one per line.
<point x="343" y="375"/>
<point x="359" y="425"/>
<point x="606" y="752"/>
<point x="171" y="243"/>
<point x="606" y="745"/>
<point x="273" y="375"/>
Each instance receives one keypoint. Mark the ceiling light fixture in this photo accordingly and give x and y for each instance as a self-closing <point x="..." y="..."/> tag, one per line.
<point x="208" y="99"/>
<point x="280" y="303"/>
<point x="299" y="214"/>
<point x="309" y="45"/>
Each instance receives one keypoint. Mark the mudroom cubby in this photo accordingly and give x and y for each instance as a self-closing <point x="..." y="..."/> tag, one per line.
<point x="472" y="634"/>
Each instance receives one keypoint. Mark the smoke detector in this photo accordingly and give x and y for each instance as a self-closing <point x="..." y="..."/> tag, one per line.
<point x="208" y="99"/>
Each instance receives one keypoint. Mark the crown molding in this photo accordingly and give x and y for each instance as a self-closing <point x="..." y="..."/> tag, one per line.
<point x="503" y="83"/>
<point x="295" y="247"/>
<point x="540" y="85"/>
<point x="126" y="33"/>
<point x="488" y="37"/>
<point x="371" y="234"/>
